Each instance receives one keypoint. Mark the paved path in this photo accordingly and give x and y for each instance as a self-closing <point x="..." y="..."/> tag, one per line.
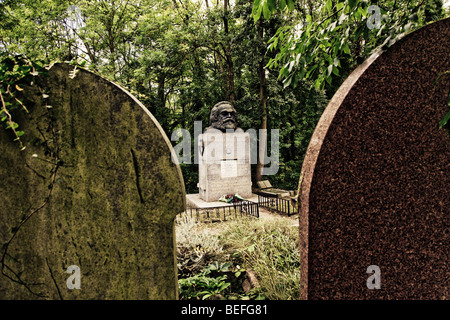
<point x="267" y="215"/>
<point x="195" y="201"/>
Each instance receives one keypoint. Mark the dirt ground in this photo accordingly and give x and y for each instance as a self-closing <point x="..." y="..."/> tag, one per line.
<point x="266" y="214"/>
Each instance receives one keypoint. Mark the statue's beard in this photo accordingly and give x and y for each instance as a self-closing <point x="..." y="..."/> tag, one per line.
<point x="224" y="124"/>
<point x="229" y="123"/>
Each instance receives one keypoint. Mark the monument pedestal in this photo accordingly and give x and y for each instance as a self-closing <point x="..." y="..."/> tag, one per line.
<point x="194" y="201"/>
<point x="224" y="164"/>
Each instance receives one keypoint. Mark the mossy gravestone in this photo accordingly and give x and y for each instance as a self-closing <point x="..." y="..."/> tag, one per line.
<point x="88" y="208"/>
<point x="375" y="196"/>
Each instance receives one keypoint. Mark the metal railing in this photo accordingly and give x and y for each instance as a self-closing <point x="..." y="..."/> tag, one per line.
<point x="222" y="213"/>
<point x="280" y="205"/>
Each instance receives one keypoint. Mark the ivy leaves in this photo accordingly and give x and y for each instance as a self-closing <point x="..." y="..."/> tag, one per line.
<point x="13" y="70"/>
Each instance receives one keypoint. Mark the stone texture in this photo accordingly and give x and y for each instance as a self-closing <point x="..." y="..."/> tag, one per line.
<point x="374" y="187"/>
<point x="224" y="164"/>
<point x="113" y="204"/>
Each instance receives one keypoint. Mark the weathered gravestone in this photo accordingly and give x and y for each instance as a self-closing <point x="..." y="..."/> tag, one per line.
<point x="107" y="230"/>
<point x="224" y="156"/>
<point x="375" y="180"/>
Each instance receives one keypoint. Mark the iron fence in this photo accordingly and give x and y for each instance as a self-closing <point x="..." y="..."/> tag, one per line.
<point x="222" y="213"/>
<point x="280" y="205"/>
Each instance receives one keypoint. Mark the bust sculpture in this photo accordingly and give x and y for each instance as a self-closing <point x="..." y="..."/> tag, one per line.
<point x="223" y="117"/>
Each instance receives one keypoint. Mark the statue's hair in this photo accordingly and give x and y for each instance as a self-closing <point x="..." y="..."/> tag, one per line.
<point x="214" y="111"/>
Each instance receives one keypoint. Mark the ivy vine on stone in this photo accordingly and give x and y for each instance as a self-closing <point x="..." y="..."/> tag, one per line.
<point x="16" y="74"/>
<point x="14" y="70"/>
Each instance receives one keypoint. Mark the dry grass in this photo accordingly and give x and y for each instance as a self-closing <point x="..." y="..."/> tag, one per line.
<point x="269" y="247"/>
<point x="197" y="245"/>
<point x="266" y="246"/>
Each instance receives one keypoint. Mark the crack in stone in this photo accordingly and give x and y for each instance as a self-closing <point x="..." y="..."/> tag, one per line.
<point x="136" y="170"/>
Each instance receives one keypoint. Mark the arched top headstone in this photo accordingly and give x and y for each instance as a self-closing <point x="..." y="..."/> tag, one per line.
<point x="112" y="198"/>
<point x="374" y="182"/>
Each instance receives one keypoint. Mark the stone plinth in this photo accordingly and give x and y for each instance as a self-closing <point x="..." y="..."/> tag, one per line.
<point x="224" y="164"/>
<point x="194" y="201"/>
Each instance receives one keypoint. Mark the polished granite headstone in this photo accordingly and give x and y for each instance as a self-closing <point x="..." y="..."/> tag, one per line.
<point x="375" y="183"/>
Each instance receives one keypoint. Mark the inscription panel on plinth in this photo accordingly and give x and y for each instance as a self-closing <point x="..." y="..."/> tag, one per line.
<point x="228" y="169"/>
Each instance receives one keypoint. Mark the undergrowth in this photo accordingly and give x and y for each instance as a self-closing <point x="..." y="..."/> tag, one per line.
<point x="213" y="258"/>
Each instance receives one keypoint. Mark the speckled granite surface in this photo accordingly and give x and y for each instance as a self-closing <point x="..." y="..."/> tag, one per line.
<point x="375" y="186"/>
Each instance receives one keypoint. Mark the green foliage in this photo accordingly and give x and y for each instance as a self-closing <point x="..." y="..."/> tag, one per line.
<point x="190" y="176"/>
<point x="268" y="247"/>
<point x="267" y="7"/>
<point x="216" y="281"/>
<point x="327" y="44"/>
<point x="196" y="248"/>
<point x="288" y="176"/>
<point x="36" y="29"/>
<point x="202" y="285"/>
<point x="180" y="58"/>
<point x="330" y="39"/>
<point x="13" y="72"/>
<point x="176" y="57"/>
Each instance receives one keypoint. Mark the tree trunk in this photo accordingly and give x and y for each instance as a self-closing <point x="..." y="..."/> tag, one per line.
<point x="229" y="89"/>
<point x="230" y="77"/>
<point x="161" y="112"/>
<point x="222" y="72"/>
<point x="263" y="108"/>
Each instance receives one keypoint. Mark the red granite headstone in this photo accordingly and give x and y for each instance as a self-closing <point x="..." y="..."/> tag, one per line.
<point x="375" y="183"/>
